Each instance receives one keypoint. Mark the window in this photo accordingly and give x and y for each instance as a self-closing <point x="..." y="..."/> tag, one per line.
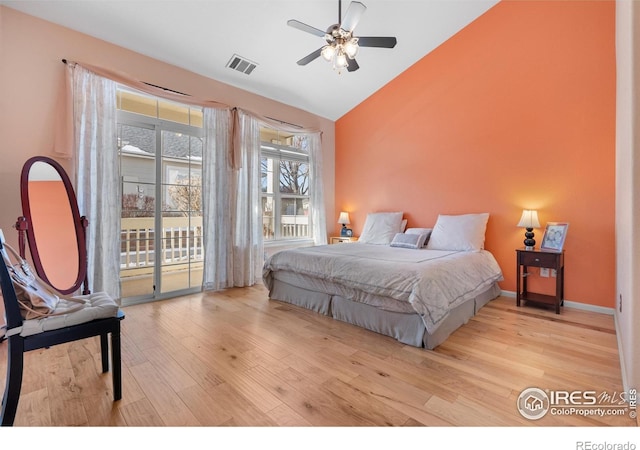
<point x="285" y="186"/>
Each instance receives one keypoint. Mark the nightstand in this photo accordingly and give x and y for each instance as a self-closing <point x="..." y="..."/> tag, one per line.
<point x="540" y="258"/>
<point x="342" y="239"/>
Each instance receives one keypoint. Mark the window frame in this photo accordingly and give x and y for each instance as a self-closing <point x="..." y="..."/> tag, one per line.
<point x="278" y="153"/>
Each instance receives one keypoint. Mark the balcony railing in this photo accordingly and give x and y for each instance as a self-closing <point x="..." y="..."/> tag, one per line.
<point x="291" y="227"/>
<point x="181" y="242"/>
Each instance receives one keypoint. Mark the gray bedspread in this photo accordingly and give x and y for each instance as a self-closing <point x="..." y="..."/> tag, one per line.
<point x="432" y="281"/>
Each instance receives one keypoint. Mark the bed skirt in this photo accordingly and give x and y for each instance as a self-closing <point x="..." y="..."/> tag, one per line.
<point x="407" y="328"/>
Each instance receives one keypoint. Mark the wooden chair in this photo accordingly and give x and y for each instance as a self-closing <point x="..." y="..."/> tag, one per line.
<point x="18" y="344"/>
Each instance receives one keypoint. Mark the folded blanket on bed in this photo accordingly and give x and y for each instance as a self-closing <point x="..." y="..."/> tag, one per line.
<point x="432" y="281"/>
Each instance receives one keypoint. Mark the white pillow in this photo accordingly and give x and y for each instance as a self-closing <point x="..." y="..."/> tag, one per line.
<point x="408" y="240"/>
<point x="425" y="231"/>
<point x="462" y="232"/>
<point x="380" y="228"/>
<point x="403" y="225"/>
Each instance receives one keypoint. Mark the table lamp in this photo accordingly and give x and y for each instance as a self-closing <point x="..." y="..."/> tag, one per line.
<point x="529" y="221"/>
<point x="344" y="220"/>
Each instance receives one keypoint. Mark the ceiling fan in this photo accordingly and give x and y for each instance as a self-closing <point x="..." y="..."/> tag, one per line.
<point x="342" y="46"/>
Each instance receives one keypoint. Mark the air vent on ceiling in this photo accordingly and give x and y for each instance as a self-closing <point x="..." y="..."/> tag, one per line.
<point x="241" y="64"/>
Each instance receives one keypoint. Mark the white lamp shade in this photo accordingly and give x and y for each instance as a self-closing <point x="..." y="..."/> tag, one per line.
<point x="344" y="218"/>
<point x="529" y="219"/>
<point x="328" y="51"/>
<point x="351" y="47"/>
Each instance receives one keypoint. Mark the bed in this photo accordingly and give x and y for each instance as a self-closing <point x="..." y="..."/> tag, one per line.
<point x="398" y="286"/>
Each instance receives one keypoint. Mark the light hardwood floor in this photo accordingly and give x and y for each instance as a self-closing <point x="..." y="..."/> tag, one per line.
<point x="235" y="358"/>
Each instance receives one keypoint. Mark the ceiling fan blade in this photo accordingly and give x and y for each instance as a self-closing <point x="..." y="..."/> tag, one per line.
<point x="378" y="41"/>
<point x="304" y="27"/>
<point x="352" y="65"/>
<point x="310" y="57"/>
<point x="352" y="16"/>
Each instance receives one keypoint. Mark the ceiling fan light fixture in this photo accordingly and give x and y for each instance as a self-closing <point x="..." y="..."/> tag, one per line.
<point x="328" y="52"/>
<point x="351" y="47"/>
<point x="341" y="46"/>
<point x="341" y="60"/>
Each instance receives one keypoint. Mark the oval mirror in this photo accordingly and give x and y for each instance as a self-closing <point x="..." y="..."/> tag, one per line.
<point x="54" y="229"/>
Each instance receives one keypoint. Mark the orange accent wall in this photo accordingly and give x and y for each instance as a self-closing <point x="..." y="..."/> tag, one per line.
<point x="516" y="111"/>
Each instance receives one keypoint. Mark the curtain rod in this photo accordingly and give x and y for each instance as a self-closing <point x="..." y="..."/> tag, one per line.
<point x="286" y="123"/>
<point x="235" y="108"/>
<point x="166" y="89"/>
<point x="64" y="60"/>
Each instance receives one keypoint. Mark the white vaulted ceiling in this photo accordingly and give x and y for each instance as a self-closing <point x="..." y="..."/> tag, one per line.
<point x="201" y="36"/>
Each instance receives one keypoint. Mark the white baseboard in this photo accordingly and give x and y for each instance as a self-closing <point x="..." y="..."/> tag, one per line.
<point x="576" y="305"/>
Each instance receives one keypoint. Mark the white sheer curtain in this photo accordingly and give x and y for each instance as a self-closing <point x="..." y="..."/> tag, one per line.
<point x="231" y="182"/>
<point x="216" y="199"/>
<point x="316" y="195"/>
<point x="248" y="252"/>
<point x="97" y="175"/>
<point x="247" y="218"/>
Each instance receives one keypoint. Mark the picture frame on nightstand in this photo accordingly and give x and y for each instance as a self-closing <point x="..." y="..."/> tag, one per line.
<point x="554" y="236"/>
<point x="346" y="232"/>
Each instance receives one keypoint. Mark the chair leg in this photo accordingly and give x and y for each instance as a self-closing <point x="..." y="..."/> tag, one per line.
<point x="104" y="350"/>
<point x="116" y="363"/>
<point x="14" y="380"/>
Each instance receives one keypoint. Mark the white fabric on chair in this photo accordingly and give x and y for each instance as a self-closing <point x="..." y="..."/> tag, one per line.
<point x="100" y="305"/>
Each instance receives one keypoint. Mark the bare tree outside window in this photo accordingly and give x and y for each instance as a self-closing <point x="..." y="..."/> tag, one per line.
<point x="294" y="177"/>
<point x="186" y="195"/>
<point x="134" y="205"/>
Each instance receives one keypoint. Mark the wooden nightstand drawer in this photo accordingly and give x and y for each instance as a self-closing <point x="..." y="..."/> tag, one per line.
<point x="538" y="259"/>
<point x="342" y="239"/>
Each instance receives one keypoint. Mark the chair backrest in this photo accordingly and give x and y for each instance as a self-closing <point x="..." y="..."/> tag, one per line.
<point x="11" y="307"/>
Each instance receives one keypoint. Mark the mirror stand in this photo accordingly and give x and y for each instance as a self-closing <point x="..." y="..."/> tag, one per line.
<point x="52" y="226"/>
<point x="21" y="227"/>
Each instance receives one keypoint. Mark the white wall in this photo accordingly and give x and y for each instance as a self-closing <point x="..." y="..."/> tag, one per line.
<point x="628" y="189"/>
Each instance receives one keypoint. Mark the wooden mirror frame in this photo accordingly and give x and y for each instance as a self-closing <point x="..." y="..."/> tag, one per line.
<point x="24" y="225"/>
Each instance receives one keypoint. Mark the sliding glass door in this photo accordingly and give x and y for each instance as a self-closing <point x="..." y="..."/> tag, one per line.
<point x="181" y="213"/>
<point x="161" y="224"/>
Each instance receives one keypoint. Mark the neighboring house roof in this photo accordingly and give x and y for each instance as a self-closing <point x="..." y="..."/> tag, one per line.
<point x="180" y="146"/>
